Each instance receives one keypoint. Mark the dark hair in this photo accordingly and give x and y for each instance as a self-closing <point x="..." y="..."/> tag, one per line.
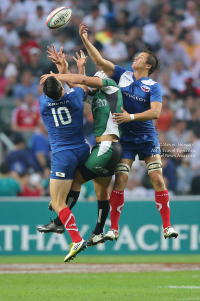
<point x="152" y="60"/>
<point x="5" y="168"/>
<point x="52" y="88"/>
<point x="18" y="139"/>
<point x="24" y="34"/>
<point x="94" y="7"/>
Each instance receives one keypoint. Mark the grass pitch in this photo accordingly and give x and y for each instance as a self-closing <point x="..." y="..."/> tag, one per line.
<point x="143" y="286"/>
<point x="153" y="286"/>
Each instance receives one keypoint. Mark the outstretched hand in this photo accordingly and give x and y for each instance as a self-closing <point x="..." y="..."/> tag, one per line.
<point x="80" y="60"/>
<point x="83" y="31"/>
<point x="121" y="117"/>
<point x="59" y="58"/>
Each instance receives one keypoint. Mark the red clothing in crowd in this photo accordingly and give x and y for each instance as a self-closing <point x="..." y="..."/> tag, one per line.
<point x="28" y="191"/>
<point x="25" y="49"/>
<point x="26" y="117"/>
<point x="164" y="121"/>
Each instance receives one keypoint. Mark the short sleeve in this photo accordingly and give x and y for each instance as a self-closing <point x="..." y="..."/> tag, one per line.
<point x="108" y="82"/>
<point x="80" y="93"/>
<point x="118" y="71"/>
<point x="156" y="93"/>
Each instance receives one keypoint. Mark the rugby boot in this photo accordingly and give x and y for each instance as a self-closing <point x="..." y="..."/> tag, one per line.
<point x="51" y="227"/>
<point x="75" y="248"/>
<point x="170" y="232"/>
<point x="95" y="239"/>
<point x="111" y="235"/>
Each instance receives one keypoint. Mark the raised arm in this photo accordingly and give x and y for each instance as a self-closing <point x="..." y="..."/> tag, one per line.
<point x="95" y="55"/>
<point x="93" y="82"/>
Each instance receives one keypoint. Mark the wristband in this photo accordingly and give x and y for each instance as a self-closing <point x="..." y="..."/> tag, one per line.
<point x="132" y="117"/>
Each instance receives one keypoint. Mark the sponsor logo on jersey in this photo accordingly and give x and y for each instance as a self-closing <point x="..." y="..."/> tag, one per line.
<point x="60" y="174"/>
<point x="51" y="104"/>
<point x="133" y="96"/>
<point x="145" y="88"/>
<point x="99" y="103"/>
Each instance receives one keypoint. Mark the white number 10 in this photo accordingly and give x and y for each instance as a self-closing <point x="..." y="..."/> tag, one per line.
<point x="59" y="113"/>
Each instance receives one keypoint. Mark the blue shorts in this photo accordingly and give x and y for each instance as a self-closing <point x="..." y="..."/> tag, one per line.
<point x="64" y="163"/>
<point x="142" y="145"/>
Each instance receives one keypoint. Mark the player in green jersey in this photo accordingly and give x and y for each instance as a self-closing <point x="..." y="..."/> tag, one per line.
<point x="105" y="98"/>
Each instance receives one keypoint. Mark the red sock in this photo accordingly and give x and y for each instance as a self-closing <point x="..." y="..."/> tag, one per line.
<point x="67" y="218"/>
<point x="162" y="203"/>
<point x="116" y="204"/>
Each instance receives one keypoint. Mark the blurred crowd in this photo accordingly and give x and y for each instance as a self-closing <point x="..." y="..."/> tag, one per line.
<point x="119" y="29"/>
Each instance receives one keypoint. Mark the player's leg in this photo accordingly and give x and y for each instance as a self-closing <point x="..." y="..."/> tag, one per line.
<point x="59" y="190"/>
<point x="117" y="196"/>
<point x="72" y="197"/>
<point x="154" y="166"/>
<point x="71" y="159"/>
<point x="102" y="190"/>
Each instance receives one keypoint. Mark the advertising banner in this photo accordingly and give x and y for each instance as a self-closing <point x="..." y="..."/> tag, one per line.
<point x="140" y="228"/>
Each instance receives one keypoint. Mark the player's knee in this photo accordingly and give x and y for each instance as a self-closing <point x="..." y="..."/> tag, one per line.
<point x="120" y="181"/>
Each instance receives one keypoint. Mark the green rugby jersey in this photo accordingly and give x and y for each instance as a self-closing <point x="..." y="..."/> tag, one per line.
<point x="104" y="103"/>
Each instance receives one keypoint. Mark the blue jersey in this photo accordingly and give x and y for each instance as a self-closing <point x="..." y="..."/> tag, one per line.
<point x="137" y="96"/>
<point x="64" y="120"/>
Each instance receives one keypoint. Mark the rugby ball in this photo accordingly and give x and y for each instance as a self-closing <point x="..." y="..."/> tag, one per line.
<point x="59" y="17"/>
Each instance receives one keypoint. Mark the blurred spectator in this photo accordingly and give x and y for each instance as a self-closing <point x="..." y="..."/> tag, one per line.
<point x="196" y="31"/>
<point x="21" y="159"/>
<point x="194" y="138"/>
<point x="175" y="100"/>
<point x="134" y="189"/>
<point x="36" y="66"/>
<point x="26" y="43"/>
<point x="25" y="117"/>
<point x="65" y="40"/>
<point x="94" y="20"/>
<point x="189" y="45"/>
<point x="9" y="34"/>
<point x="8" y="185"/>
<point x="142" y="17"/>
<point x="171" y="52"/>
<point x="27" y="86"/>
<point x="165" y="120"/>
<point x="3" y="83"/>
<point x="40" y="144"/>
<point x="116" y="50"/>
<point x="164" y="81"/>
<point x="169" y="172"/>
<point x="178" y="134"/>
<point x="153" y="32"/>
<point x="30" y="185"/>
<point x="121" y="23"/>
<point x="190" y="14"/>
<point x="30" y="7"/>
<point x="184" y="113"/>
<point x="178" y="77"/>
<point x="36" y="25"/>
<point x="184" y="176"/>
<point x="13" y="10"/>
<point x="190" y="88"/>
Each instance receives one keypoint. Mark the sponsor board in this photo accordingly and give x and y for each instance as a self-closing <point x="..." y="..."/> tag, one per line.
<point x="140" y="229"/>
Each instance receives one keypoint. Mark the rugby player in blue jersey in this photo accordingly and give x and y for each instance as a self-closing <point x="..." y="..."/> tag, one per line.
<point x="142" y="99"/>
<point x="62" y="114"/>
